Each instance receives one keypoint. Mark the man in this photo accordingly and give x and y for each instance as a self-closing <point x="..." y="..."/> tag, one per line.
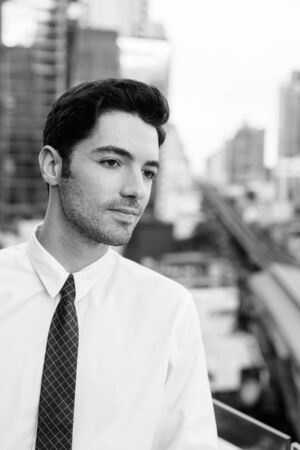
<point x="98" y="352"/>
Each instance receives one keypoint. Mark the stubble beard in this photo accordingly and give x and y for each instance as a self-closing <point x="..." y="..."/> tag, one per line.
<point x="99" y="232"/>
<point x="88" y="223"/>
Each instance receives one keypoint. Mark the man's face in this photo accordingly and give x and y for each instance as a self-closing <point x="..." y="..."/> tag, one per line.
<point x="111" y="174"/>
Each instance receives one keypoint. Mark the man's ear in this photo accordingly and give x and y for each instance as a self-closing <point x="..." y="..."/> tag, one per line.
<point x="50" y="165"/>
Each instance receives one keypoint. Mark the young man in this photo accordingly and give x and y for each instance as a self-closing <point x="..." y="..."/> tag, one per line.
<point x="98" y="352"/>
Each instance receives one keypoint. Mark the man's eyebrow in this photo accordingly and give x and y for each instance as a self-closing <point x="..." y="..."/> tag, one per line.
<point x="124" y="153"/>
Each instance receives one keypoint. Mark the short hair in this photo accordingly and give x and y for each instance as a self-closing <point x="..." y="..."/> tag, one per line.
<point x="74" y="115"/>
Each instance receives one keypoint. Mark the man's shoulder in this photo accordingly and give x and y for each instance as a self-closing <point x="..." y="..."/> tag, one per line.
<point x="158" y="296"/>
<point x="148" y="278"/>
<point x="15" y="254"/>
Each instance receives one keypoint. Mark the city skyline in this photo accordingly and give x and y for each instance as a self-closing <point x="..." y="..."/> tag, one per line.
<point x="229" y="62"/>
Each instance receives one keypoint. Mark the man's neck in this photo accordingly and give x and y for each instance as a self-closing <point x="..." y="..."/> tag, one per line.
<point x="73" y="252"/>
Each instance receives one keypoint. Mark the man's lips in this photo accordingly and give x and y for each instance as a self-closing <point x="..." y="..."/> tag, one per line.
<point x="128" y="211"/>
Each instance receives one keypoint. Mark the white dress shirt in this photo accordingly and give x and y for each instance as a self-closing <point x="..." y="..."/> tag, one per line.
<point x="141" y="377"/>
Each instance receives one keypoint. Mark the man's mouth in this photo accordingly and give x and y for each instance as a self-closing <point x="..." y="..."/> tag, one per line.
<point x="127" y="210"/>
<point x="126" y="214"/>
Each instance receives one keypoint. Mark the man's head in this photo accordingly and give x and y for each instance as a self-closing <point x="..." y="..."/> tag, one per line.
<point x="75" y="114"/>
<point x="100" y="156"/>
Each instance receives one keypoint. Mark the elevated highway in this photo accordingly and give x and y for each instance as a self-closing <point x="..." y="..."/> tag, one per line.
<point x="274" y="285"/>
<point x="260" y="251"/>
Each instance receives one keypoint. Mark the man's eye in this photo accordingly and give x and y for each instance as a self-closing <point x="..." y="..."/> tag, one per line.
<point x="149" y="174"/>
<point x="110" y="163"/>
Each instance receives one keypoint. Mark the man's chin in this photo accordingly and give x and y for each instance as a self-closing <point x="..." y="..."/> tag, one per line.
<point x="117" y="240"/>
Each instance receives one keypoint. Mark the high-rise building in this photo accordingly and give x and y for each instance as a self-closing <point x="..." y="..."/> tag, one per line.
<point x="176" y="196"/>
<point x="217" y="170"/>
<point x="245" y="156"/>
<point x="146" y="59"/>
<point x="143" y="49"/>
<point x="241" y="159"/>
<point x="135" y="18"/>
<point x="289" y="118"/>
<point x="95" y="55"/>
<point x="33" y="74"/>
<point x="288" y="164"/>
<point x="127" y="17"/>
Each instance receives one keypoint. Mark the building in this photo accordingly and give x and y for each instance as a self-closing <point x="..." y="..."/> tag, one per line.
<point x="143" y="49"/>
<point x="33" y="73"/>
<point x="241" y="159"/>
<point x="289" y="118"/>
<point x="287" y="171"/>
<point x="95" y="55"/>
<point x="146" y="59"/>
<point x="217" y="171"/>
<point x="135" y="18"/>
<point x="245" y="155"/>
<point x="3" y="115"/>
<point x="127" y="17"/>
<point x="177" y="198"/>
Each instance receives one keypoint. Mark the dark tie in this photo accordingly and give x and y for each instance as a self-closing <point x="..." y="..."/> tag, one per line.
<point x="56" y="408"/>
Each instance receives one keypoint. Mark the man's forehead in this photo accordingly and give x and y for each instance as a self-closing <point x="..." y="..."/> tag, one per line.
<point x="122" y="119"/>
<point x="125" y="129"/>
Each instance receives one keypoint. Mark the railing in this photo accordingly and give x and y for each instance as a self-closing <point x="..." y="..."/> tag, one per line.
<point x="246" y="433"/>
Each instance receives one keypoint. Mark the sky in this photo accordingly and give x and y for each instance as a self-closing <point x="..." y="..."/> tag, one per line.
<point x="229" y="59"/>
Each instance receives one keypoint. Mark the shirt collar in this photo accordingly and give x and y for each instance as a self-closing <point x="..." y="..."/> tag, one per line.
<point x="53" y="275"/>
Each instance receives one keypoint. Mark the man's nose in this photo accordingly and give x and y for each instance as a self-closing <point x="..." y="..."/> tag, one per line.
<point x="134" y="185"/>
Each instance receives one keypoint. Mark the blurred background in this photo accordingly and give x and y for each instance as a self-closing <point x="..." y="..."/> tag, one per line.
<point x="223" y="218"/>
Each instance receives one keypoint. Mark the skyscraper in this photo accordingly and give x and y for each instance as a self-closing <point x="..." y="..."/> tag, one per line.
<point x="33" y="74"/>
<point x="289" y="118"/>
<point x="246" y="155"/>
<point x="240" y="160"/>
<point x="127" y="17"/>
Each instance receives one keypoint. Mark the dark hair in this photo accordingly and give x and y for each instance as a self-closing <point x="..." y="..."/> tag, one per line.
<point x="73" y="116"/>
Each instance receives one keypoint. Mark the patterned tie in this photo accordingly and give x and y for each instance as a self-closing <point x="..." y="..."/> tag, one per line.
<point x="56" y="408"/>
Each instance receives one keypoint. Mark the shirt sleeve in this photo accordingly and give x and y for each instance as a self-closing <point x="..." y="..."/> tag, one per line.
<point x="187" y="420"/>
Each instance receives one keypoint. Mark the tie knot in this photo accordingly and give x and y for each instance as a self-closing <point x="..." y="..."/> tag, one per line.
<point x="68" y="290"/>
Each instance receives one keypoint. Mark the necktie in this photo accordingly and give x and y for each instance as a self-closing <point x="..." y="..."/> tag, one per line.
<point x="56" y="407"/>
